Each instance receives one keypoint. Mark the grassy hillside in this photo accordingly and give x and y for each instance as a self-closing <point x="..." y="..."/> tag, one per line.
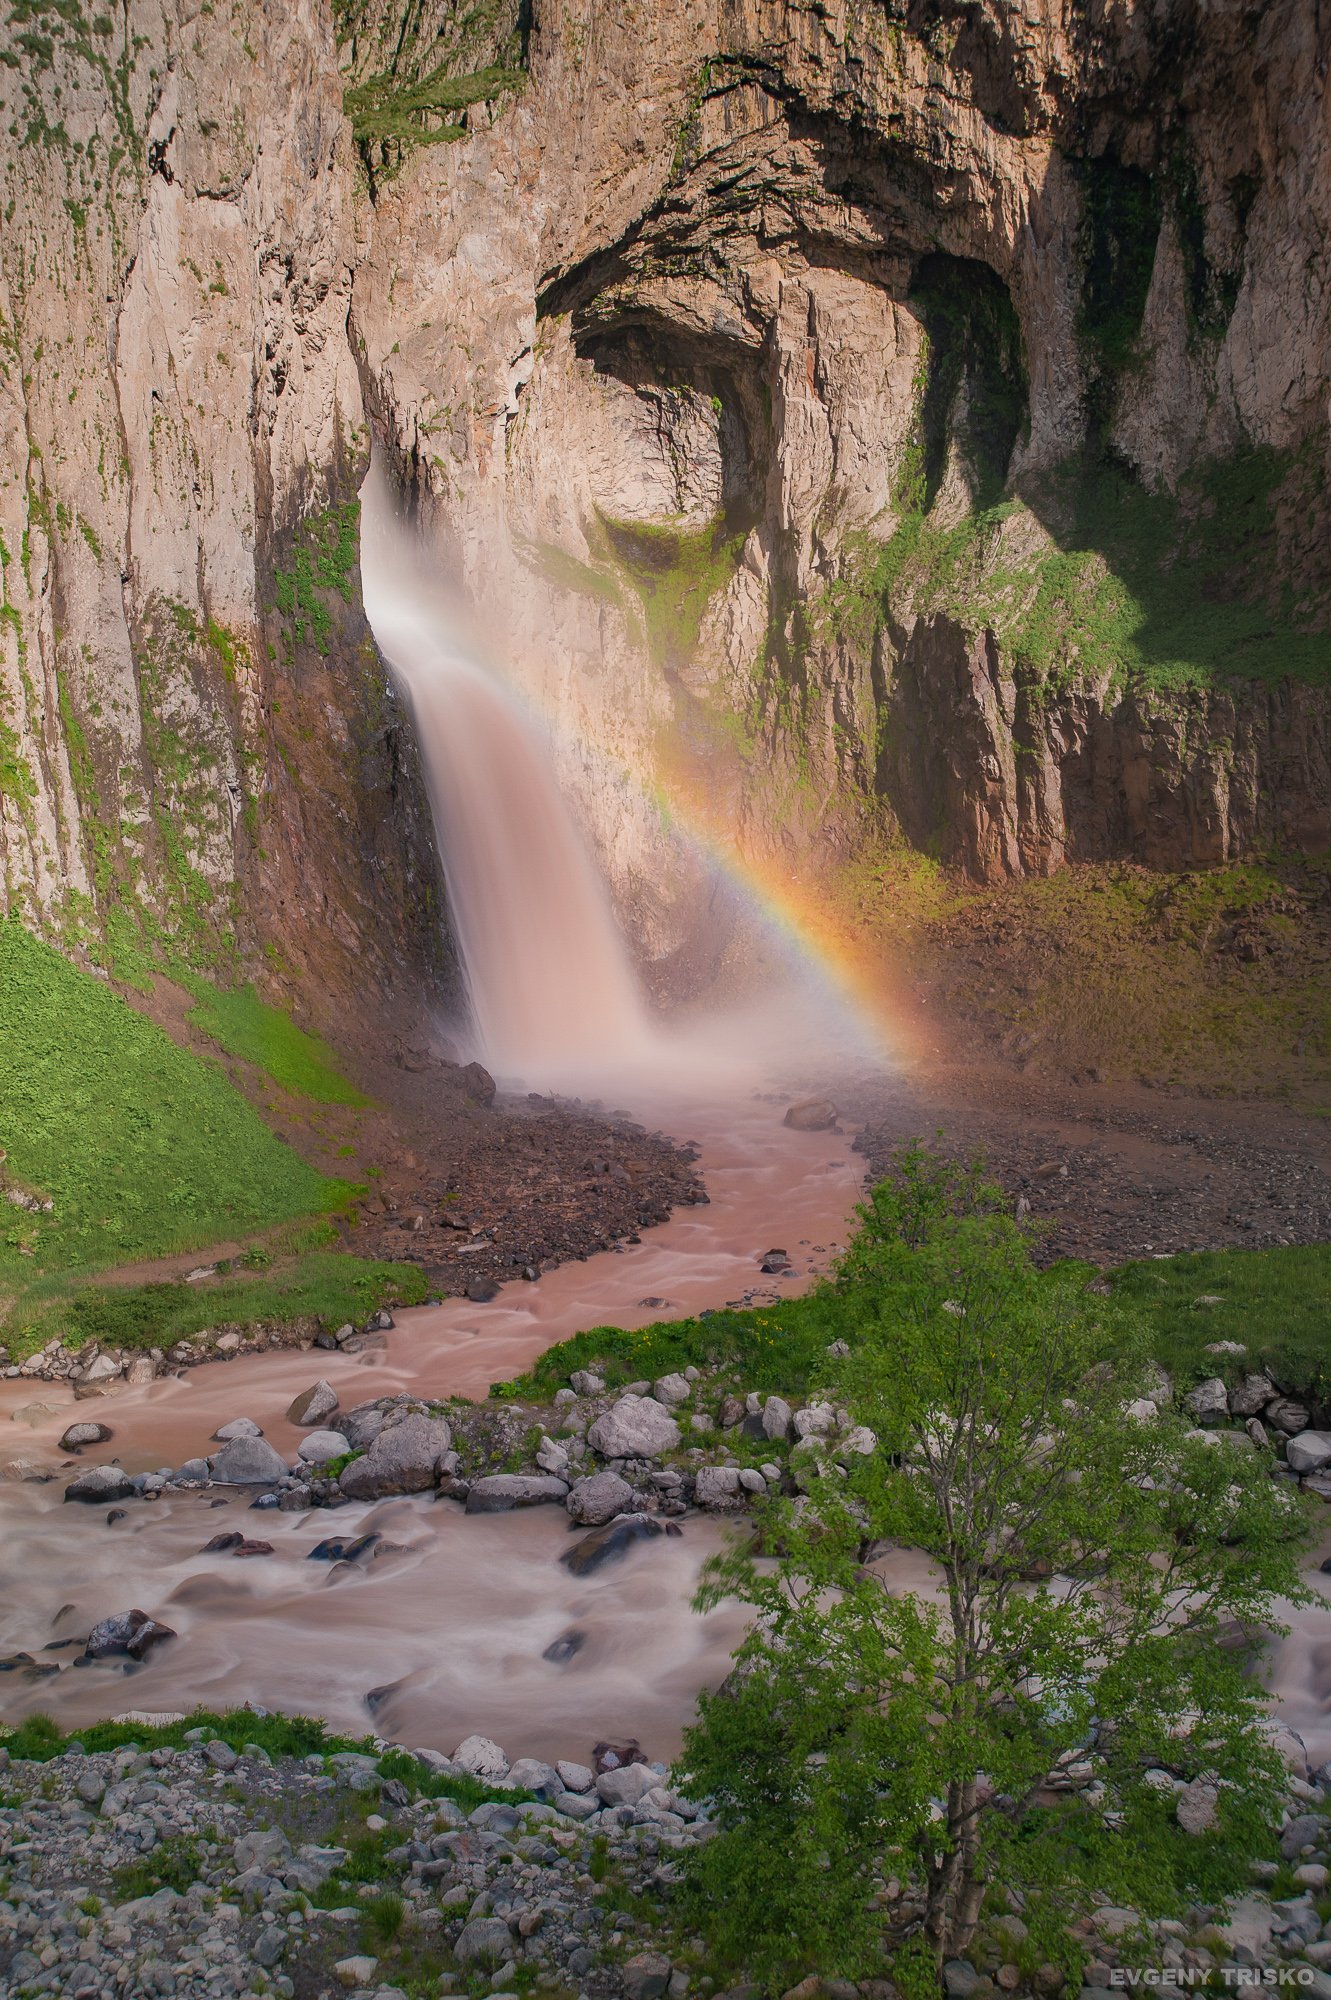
<point x="140" y="1147"/>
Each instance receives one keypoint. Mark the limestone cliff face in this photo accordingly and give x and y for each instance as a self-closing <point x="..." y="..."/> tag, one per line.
<point x="726" y="347"/>
<point x="198" y="752"/>
<point x="844" y="418"/>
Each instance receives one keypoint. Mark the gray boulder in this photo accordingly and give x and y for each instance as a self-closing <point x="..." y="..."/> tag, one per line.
<point x="717" y="1486"/>
<point x="319" y="1446"/>
<point x="672" y="1389"/>
<point x="239" y="1427"/>
<point x="484" y="1941"/>
<point x="100" y="1483"/>
<point x="815" y="1420"/>
<point x="1208" y="1402"/>
<point x="1310" y="1451"/>
<point x="533" y="1775"/>
<point x="1287" y="1416"/>
<point x="482" y="1757"/>
<point x="628" y="1785"/>
<point x="1251" y="1396"/>
<point x="776" y="1418"/>
<point x="500" y="1491"/>
<point x="636" y="1427"/>
<point x="402" y="1459"/>
<point x="248" y="1461"/>
<point x="646" y="1976"/>
<point x="132" y="1632"/>
<point x="314" y="1405"/>
<point x="362" y="1425"/>
<point x="585" y="1383"/>
<point x="598" y="1499"/>
<point x="81" y="1434"/>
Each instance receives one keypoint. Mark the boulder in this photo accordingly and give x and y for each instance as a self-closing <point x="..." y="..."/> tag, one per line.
<point x="552" y="1457"/>
<point x="635" y="1427"/>
<point x="314" y="1405"/>
<point x="585" y="1383"/>
<point x="239" y="1427"/>
<point x="483" y="1941"/>
<point x="362" y="1425"/>
<point x="321" y="1446"/>
<point x="717" y="1486"/>
<point x="646" y="1976"/>
<point x="352" y="1972"/>
<point x="575" y="1777"/>
<point x="500" y="1491"/>
<point x="599" y="1498"/>
<point x="80" y="1434"/>
<point x="100" y="1483"/>
<point x="672" y="1389"/>
<point x="403" y="1458"/>
<point x="858" y="1443"/>
<point x="132" y="1632"/>
<point x="614" y="1539"/>
<point x="1251" y="1396"/>
<point x="1197" y="1805"/>
<point x="532" y="1775"/>
<point x="627" y="1785"/>
<point x="1288" y="1416"/>
<point x="1208" y="1402"/>
<point x="812" y="1114"/>
<point x="481" y="1758"/>
<point x="816" y="1420"/>
<point x="776" y="1418"/>
<point x="248" y="1461"/>
<point x="1310" y="1451"/>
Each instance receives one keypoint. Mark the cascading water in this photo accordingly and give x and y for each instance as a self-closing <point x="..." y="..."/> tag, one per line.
<point x="551" y="987"/>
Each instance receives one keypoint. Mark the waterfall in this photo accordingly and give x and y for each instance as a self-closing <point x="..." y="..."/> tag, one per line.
<point x="553" y="994"/>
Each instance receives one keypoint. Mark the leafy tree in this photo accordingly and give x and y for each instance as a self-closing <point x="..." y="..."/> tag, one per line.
<point x="1008" y="1709"/>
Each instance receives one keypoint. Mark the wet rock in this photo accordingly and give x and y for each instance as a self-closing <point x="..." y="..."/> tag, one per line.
<point x="239" y="1427"/>
<point x="812" y="1114"/>
<point x="131" y="1632"/>
<point x="194" y="1472"/>
<point x="321" y="1446"/>
<point x="362" y="1425"/>
<point x="562" y="1649"/>
<point x="380" y="1322"/>
<point x="314" y="1405"/>
<point x="248" y="1461"/>
<point x="100" y="1483"/>
<point x="636" y="1427"/>
<point x="338" y="1549"/>
<point x="775" y="1263"/>
<point x="481" y="1290"/>
<point x="615" y="1539"/>
<point x="481" y="1757"/>
<point x="85" y="1433"/>
<point x="599" y="1498"/>
<point x="1310" y="1451"/>
<point x="221" y="1544"/>
<point x="245" y="1547"/>
<point x="499" y="1492"/>
<point x="403" y="1458"/>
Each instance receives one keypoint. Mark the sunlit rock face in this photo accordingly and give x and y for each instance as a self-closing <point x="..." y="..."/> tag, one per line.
<point x="841" y="421"/>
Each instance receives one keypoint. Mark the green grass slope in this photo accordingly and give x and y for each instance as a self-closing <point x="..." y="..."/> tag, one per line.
<point x="143" y="1147"/>
<point x="246" y="1026"/>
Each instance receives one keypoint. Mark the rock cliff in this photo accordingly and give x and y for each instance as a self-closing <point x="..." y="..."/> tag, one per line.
<point x="846" y="421"/>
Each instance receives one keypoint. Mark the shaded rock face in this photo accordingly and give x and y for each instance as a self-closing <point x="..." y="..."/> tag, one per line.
<point x="181" y="437"/>
<point x="666" y="345"/>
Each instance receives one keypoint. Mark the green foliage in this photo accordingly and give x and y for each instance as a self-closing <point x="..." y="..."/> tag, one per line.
<point x="327" y="1285"/>
<point x="246" y="1026"/>
<point x="390" y="118"/>
<point x="173" y="1864"/>
<point x="38" y="1739"/>
<point x="383" y="1917"/>
<point x="144" y="1147"/>
<point x="774" y="1347"/>
<point x="993" y="1734"/>
<point x="676" y="572"/>
<point x="324" y="556"/>
<point x="1277" y="1303"/>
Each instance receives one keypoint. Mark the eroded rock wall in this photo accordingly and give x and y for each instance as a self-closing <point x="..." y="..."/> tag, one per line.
<point x="199" y="754"/>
